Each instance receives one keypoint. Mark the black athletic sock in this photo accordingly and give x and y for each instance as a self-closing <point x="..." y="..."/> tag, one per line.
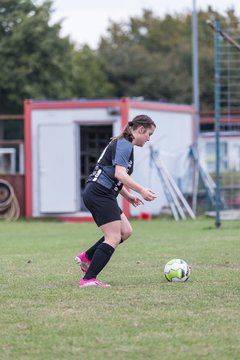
<point x="90" y="252"/>
<point x="100" y="259"/>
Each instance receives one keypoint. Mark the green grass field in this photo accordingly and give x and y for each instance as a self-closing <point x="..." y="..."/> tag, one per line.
<point x="44" y="315"/>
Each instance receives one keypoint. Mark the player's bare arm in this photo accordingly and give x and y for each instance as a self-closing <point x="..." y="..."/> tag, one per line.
<point x="121" y="175"/>
<point x="133" y="199"/>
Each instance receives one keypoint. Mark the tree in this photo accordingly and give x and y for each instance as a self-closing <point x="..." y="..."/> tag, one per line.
<point x="152" y="57"/>
<point x="34" y="61"/>
<point x="89" y="78"/>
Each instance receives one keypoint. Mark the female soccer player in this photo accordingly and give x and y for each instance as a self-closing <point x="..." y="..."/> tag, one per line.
<point x="110" y="177"/>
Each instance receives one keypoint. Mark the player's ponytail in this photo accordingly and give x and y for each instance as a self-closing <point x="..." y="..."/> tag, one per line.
<point x="139" y="120"/>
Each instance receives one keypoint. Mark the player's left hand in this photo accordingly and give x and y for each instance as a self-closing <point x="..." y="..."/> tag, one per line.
<point x="135" y="201"/>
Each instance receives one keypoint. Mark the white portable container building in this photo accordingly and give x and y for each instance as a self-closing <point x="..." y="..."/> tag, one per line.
<point x="63" y="140"/>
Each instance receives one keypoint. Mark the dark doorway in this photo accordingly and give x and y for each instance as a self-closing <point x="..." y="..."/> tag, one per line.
<point x="93" y="140"/>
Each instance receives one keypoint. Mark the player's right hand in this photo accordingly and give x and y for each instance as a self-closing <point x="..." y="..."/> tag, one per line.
<point x="148" y="194"/>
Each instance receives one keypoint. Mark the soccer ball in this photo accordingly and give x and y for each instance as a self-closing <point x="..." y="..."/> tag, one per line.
<point x="177" y="270"/>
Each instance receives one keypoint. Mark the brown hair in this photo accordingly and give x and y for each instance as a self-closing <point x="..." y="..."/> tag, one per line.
<point x="139" y="120"/>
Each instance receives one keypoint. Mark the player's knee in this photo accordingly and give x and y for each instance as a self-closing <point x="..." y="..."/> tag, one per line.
<point x="113" y="239"/>
<point x="127" y="233"/>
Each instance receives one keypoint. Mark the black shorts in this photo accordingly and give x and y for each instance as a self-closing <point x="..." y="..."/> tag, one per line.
<point x="102" y="203"/>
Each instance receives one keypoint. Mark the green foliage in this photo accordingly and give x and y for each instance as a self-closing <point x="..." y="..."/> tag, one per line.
<point x="146" y="56"/>
<point x="44" y="314"/>
<point x="152" y="57"/>
<point x="89" y="78"/>
<point x="35" y="62"/>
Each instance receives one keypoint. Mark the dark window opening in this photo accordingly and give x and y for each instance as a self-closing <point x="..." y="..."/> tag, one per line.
<point x="93" y="140"/>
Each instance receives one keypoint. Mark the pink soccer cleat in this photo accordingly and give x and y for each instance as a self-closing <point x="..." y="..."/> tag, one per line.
<point x="83" y="261"/>
<point x="92" y="282"/>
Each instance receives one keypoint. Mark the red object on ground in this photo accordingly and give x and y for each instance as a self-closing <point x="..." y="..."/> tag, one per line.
<point x="145" y="216"/>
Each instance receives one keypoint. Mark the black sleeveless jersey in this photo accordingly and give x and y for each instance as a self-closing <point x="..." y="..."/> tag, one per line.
<point x="118" y="152"/>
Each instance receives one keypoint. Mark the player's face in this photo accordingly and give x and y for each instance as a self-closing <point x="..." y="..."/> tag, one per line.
<point x="142" y="135"/>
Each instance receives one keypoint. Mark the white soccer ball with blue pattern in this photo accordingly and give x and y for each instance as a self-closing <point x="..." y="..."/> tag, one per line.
<point x="177" y="270"/>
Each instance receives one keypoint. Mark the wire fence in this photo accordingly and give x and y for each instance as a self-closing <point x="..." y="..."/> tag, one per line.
<point x="229" y="134"/>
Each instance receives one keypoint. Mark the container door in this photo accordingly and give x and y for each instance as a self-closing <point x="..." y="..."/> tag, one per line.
<point x="58" y="146"/>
